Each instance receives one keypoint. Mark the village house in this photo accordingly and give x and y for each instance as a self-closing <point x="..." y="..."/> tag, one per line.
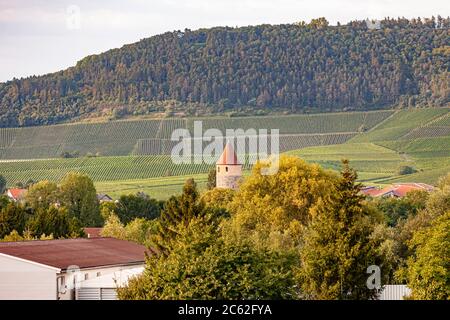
<point x="103" y="197"/>
<point x="397" y="190"/>
<point x="16" y="194"/>
<point x="57" y="269"/>
<point x="93" y="232"/>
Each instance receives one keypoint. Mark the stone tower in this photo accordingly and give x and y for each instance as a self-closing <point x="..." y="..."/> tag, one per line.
<point x="228" y="169"/>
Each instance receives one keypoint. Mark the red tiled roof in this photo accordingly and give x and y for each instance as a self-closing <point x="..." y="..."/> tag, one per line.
<point x="228" y="156"/>
<point x="416" y="186"/>
<point x="397" y="190"/>
<point x="402" y="190"/>
<point x="93" y="232"/>
<point x="373" y="192"/>
<point x="84" y="253"/>
<point x="16" y="193"/>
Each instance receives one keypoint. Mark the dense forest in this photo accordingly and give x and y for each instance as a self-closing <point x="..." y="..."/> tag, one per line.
<point x="301" y="67"/>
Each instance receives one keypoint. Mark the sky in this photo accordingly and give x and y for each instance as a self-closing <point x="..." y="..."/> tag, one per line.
<point x="39" y="37"/>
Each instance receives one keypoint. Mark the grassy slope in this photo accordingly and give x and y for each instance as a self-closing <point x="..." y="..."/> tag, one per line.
<point x="376" y="154"/>
<point x="121" y="138"/>
<point x="160" y="188"/>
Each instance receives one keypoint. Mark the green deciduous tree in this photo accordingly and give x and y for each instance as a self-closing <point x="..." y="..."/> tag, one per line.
<point x="139" y="205"/>
<point x="218" y="198"/>
<point x="201" y="265"/>
<point x="274" y="209"/>
<point x="138" y="230"/>
<point x="436" y="205"/>
<point x="78" y="195"/>
<point x="211" y="184"/>
<point x="395" y="209"/>
<point x="2" y="184"/>
<point x="428" y="270"/>
<point x="12" y="217"/>
<point x="42" y="194"/>
<point x="54" y="221"/>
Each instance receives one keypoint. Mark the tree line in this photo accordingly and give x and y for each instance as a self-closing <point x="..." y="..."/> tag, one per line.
<point x="301" y="67"/>
<point x="51" y="210"/>
<point x="302" y="233"/>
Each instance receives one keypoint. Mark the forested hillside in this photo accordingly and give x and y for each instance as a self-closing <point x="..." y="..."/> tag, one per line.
<point x="297" y="67"/>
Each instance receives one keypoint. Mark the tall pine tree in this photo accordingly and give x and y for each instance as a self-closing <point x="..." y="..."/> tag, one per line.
<point x="177" y="210"/>
<point x="338" y="247"/>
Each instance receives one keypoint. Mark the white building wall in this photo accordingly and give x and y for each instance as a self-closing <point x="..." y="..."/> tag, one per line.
<point x="21" y="279"/>
<point x="89" y="274"/>
<point x="395" y="292"/>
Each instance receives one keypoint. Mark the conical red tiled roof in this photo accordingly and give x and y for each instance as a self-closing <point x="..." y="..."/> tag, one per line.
<point x="228" y="156"/>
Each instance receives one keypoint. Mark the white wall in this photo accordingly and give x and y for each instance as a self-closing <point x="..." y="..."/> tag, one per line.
<point x="20" y="280"/>
<point x="92" y="274"/>
<point x="395" y="292"/>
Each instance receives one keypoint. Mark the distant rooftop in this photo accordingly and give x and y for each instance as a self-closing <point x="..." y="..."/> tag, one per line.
<point x="82" y="252"/>
<point x="93" y="232"/>
<point x="16" y="193"/>
<point x="396" y="190"/>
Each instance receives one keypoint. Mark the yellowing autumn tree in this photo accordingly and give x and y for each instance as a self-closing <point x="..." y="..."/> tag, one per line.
<point x="428" y="270"/>
<point x="273" y="209"/>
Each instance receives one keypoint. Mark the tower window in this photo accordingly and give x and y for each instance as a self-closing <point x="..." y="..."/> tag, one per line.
<point x="226" y="169"/>
<point x="218" y="169"/>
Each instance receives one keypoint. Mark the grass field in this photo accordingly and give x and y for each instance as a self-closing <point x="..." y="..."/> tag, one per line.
<point x="376" y="143"/>
<point x="159" y="188"/>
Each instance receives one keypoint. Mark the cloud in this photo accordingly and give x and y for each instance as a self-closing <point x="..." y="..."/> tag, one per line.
<point x="37" y="38"/>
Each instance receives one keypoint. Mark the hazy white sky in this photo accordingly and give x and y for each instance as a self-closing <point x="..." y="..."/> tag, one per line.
<point x="38" y="37"/>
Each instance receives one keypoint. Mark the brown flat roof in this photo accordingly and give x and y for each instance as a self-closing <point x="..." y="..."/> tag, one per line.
<point x="82" y="252"/>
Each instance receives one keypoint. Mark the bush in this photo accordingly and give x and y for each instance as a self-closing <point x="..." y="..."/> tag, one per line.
<point x="406" y="170"/>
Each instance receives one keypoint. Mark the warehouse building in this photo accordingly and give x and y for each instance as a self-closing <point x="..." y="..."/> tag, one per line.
<point x="55" y="269"/>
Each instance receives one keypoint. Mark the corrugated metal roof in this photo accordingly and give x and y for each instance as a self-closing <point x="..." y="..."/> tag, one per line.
<point x="84" y="253"/>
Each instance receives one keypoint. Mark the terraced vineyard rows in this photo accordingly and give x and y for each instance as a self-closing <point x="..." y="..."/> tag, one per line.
<point x="403" y="123"/>
<point x="168" y="126"/>
<point x="301" y="124"/>
<point x="50" y="141"/>
<point x="286" y="143"/>
<point x="137" y="150"/>
<point x="99" y="169"/>
<point x="431" y="132"/>
<point x="430" y="147"/>
<point x="119" y="138"/>
<point x="443" y="121"/>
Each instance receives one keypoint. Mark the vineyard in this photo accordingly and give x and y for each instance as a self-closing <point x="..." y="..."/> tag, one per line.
<point x="405" y="122"/>
<point x="99" y="169"/>
<point x="135" y="155"/>
<point x="417" y="138"/>
<point x="152" y="137"/>
<point x="300" y="124"/>
<point x="286" y="142"/>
